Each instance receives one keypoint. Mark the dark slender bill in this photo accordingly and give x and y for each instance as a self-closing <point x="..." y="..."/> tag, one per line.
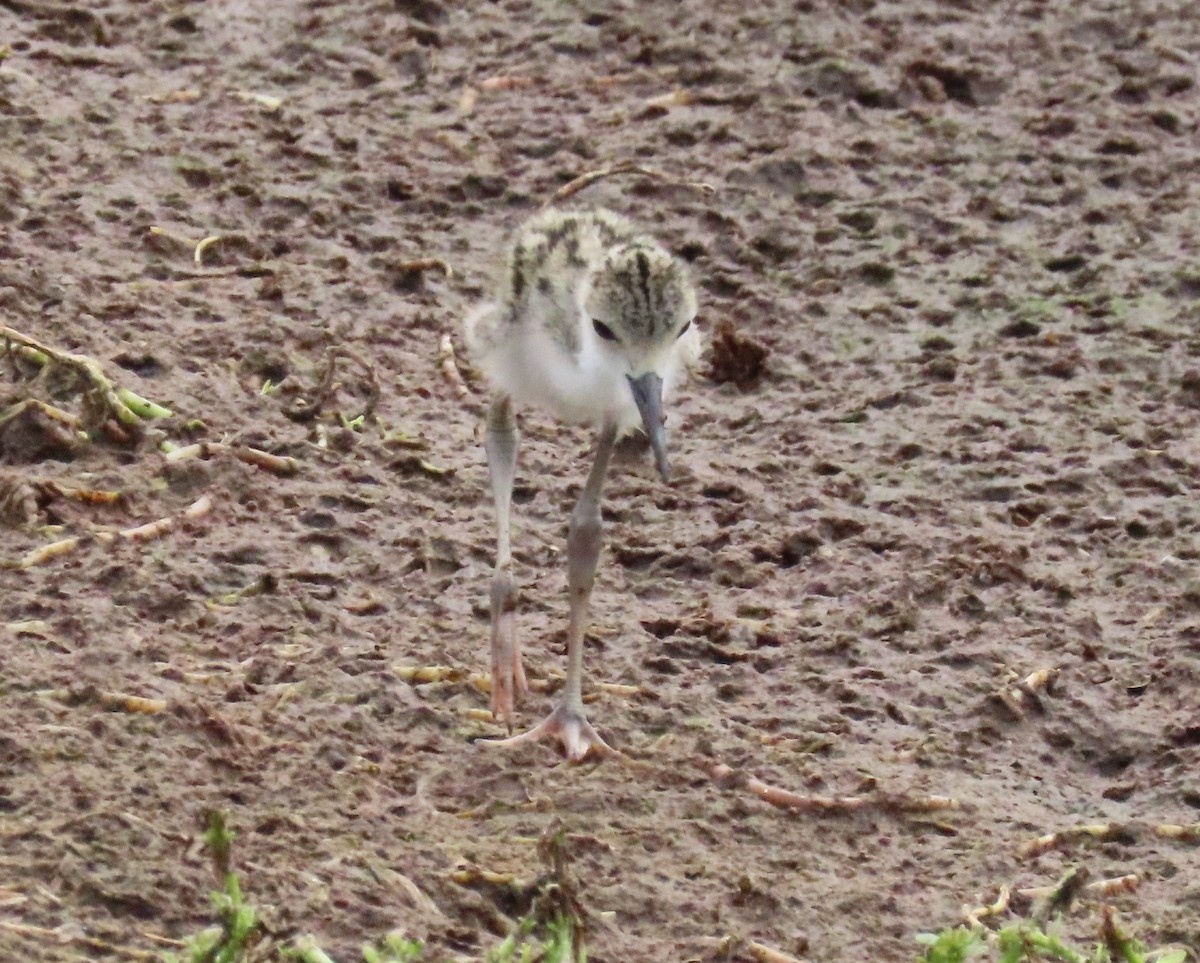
<point x="647" y="392"/>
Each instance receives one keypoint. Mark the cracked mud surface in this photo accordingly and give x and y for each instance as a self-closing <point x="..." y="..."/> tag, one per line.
<point x="951" y="434"/>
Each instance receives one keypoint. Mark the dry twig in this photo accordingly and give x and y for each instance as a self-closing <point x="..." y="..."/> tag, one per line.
<point x="781" y="798"/>
<point x="591" y="177"/>
<point x="307" y="411"/>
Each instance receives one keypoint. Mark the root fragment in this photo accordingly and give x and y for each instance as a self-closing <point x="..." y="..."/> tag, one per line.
<point x="107" y="402"/>
<point x="787" y="799"/>
<point x="63" y="429"/>
<point x="619" y="689"/>
<point x="591" y="177"/>
<point x="268" y="102"/>
<point x="277" y="464"/>
<point x="1017" y="696"/>
<point x="109" y="701"/>
<point x="483" y="683"/>
<point x="143" y="533"/>
<point x="307" y="411"/>
<point x="1058" y="898"/>
<point x="1183" y="834"/>
<point x="420" y="675"/>
<point x="762" y="953"/>
<point x="64" y="935"/>
<point x="198" y="247"/>
<point x="405" y="886"/>
<point x="1113" y="886"/>
<point x="47" y="553"/>
<point x="179" y="239"/>
<point x="18" y="502"/>
<point x="448" y="362"/>
<point x="50" y="411"/>
<point x="973" y="916"/>
<point x="730" y="947"/>
<point x="505" y="82"/>
<point x="423" y="264"/>
<point x="1043" y="844"/>
<point x="140" y="533"/>
<point x="203" y="245"/>
<point x="679" y="97"/>
<point x="89" y="496"/>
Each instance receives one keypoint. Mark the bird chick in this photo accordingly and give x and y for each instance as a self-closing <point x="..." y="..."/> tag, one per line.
<point x="592" y="321"/>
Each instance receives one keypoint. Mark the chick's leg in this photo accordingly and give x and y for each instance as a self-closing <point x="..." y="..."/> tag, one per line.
<point x="508" y="676"/>
<point x="567" y="722"/>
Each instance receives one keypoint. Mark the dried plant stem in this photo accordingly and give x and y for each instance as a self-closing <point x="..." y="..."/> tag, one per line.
<point x="1183" y="834"/>
<point x="1101" y="887"/>
<point x="591" y="177"/>
<point x="18" y="501"/>
<point x="140" y="533"/>
<point x="306" y="411"/>
<point x="110" y="701"/>
<point x="111" y="400"/>
<point x="278" y="464"/>
<point x="422" y="264"/>
<point x="762" y="953"/>
<point x="1043" y="844"/>
<point x="805" y="802"/>
<point x="61" y="935"/>
<point x="50" y="411"/>
<point x="735" y="947"/>
<point x="1017" y="696"/>
<point x="89" y="496"/>
<point x="449" y="365"/>
<point x="973" y="915"/>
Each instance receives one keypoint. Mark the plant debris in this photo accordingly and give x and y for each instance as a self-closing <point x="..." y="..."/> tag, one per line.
<point x="308" y="410"/>
<point x="591" y="177"/>
<point x="140" y="533"/>
<point x="724" y="775"/>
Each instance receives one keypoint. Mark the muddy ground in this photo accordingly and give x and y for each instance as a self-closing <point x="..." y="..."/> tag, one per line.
<point x="965" y="234"/>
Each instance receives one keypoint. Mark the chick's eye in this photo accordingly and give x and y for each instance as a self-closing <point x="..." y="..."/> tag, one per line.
<point x="604" y="330"/>
<point x="684" y="329"/>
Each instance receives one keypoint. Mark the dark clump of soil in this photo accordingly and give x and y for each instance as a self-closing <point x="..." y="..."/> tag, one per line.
<point x="736" y="358"/>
